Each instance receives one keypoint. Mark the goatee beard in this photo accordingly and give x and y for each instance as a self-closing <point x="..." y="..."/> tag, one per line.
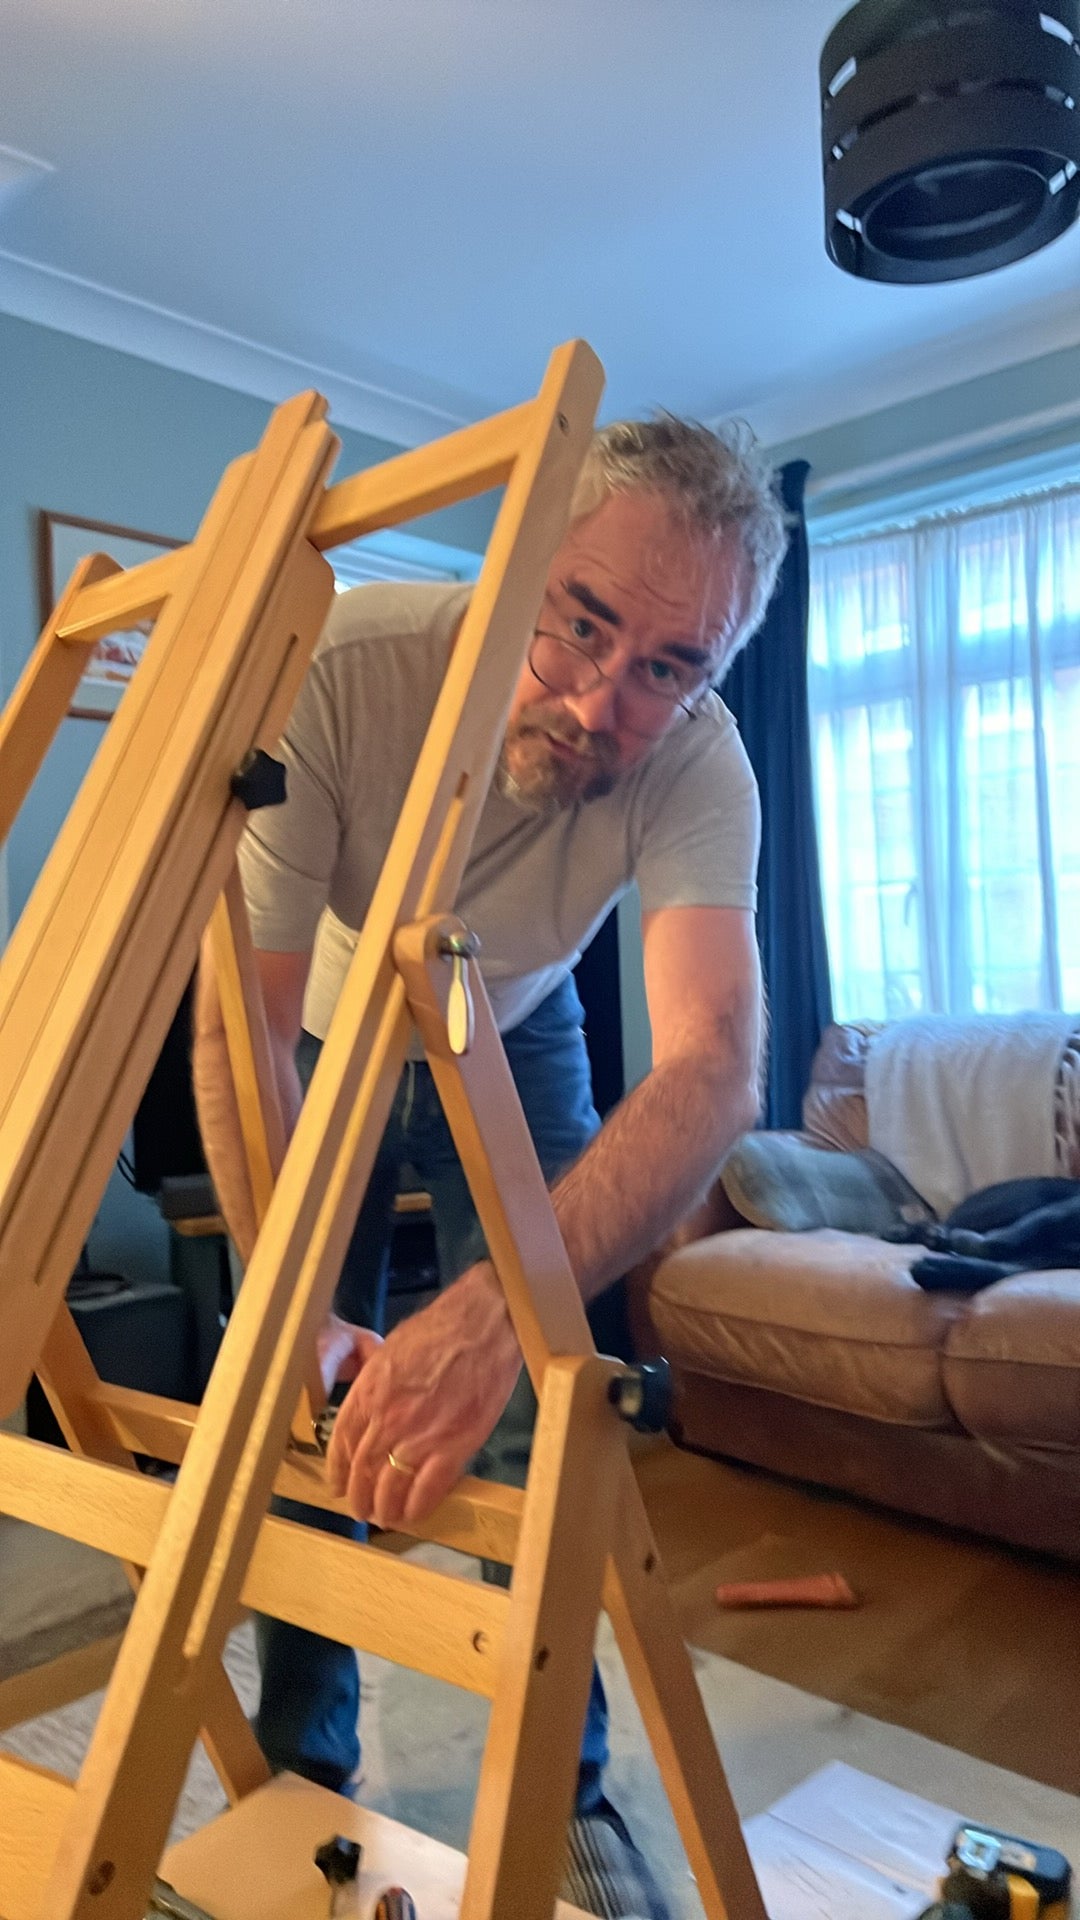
<point x="545" y="784"/>
<point x="537" y="803"/>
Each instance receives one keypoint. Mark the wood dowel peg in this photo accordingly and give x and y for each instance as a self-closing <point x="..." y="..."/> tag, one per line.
<point x="642" y="1395"/>
<point x="259" y="780"/>
<point x="460" y="949"/>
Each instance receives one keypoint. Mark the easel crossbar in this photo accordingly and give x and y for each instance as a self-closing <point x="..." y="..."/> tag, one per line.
<point x="436" y="1623"/>
<point x="462" y="464"/>
<point x="481" y="1517"/>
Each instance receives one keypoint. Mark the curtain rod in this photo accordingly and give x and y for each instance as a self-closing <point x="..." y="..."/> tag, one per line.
<point x="923" y="460"/>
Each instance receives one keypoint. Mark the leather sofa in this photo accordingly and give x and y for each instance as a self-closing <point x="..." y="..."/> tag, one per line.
<point x="815" y="1354"/>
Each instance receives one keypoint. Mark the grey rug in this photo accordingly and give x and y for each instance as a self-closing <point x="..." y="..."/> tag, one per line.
<point x="422" y="1743"/>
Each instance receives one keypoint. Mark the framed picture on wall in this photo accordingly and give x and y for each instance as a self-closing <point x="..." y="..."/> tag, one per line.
<point x="62" y="541"/>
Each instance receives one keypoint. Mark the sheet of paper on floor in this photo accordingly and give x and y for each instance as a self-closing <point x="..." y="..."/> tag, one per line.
<point x="801" y="1880"/>
<point x="845" y="1846"/>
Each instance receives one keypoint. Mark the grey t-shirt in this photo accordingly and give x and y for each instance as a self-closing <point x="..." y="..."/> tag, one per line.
<point x="684" y="823"/>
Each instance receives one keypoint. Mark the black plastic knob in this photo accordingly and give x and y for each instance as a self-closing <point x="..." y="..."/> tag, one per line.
<point x="259" y="780"/>
<point x="338" y="1860"/>
<point x="642" y="1395"/>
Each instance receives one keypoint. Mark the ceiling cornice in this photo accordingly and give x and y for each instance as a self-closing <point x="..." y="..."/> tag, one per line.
<point x="18" y="171"/>
<point x="412" y="413"/>
<point x="69" y="304"/>
<point x="915" y="372"/>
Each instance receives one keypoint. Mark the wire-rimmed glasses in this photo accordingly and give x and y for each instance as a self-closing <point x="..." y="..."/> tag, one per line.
<point x="649" y="695"/>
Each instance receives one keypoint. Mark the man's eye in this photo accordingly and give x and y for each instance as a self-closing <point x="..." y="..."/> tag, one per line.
<point x="662" y="673"/>
<point x="582" y="629"/>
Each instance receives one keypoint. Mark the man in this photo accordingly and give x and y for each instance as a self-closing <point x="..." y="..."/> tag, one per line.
<point x="619" y="763"/>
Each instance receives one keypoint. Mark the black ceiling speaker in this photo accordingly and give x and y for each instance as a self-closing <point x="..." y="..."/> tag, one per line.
<point x="950" y="134"/>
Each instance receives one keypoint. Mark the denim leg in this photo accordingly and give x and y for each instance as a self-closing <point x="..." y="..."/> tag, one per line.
<point x="360" y="1295"/>
<point x="310" y="1698"/>
<point x="550" y="1068"/>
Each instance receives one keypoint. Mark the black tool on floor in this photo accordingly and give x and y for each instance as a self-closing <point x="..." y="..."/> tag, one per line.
<point x="338" y="1860"/>
<point x="998" y="1876"/>
<point x="395" y="1904"/>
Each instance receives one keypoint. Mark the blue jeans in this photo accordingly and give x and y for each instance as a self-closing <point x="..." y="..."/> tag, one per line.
<point x="310" y="1686"/>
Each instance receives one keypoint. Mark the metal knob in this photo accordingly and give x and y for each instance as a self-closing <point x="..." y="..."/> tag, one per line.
<point x="642" y="1395"/>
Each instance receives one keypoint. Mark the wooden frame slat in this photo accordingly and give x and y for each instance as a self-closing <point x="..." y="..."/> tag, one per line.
<point x="52" y="1684"/>
<point x="70" y="1380"/>
<point x="492" y="1138"/>
<point x="248" y="1042"/>
<point x="480" y="1518"/>
<point x="34" y="1806"/>
<point x="128" y="598"/>
<point x="262" y="1128"/>
<point x="43" y="694"/>
<point x="457" y="467"/>
<point x="442" y="1624"/>
<point x="530" y="1765"/>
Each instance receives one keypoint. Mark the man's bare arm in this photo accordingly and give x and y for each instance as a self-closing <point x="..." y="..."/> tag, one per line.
<point x="654" y="1157"/>
<point x="283" y="977"/>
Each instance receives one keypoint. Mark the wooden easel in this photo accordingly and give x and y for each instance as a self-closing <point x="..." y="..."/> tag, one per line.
<point x="87" y="988"/>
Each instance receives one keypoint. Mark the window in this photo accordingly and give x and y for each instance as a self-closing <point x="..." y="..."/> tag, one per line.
<point x="400" y="556"/>
<point x="945" y="714"/>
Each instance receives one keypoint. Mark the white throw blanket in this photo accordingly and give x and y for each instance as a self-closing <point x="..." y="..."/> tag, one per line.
<point x="958" y="1104"/>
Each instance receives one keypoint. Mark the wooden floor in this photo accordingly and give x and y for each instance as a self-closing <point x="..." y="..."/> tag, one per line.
<point x="973" y="1645"/>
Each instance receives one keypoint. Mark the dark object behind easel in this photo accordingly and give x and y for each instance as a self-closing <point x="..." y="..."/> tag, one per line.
<point x="165" y="1130"/>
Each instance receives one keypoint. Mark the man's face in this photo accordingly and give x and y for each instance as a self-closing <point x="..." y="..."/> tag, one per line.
<point x="654" y="605"/>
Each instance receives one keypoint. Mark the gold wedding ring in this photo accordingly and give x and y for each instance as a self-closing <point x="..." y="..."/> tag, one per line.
<point x="399" y="1466"/>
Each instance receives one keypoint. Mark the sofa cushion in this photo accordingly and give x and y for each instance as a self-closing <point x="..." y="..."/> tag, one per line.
<point x="831" y="1318"/>
<point x="782" y="1181"/>
<point x="1011" y="1364"/>
<point x="834" y="1104"/>
<point x="1067" y="1110"/>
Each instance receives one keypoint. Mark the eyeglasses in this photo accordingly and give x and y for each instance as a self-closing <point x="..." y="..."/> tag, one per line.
<point x="650" y="695"/>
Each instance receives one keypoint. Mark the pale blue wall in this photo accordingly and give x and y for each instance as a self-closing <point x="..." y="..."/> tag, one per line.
<point x="914" y="429"/>
<point x="104" y="436"/>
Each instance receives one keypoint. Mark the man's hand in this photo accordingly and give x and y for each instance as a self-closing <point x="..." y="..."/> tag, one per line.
<point x="430" y="1394"/>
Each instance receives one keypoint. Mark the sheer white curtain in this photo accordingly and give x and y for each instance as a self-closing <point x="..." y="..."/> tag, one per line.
<point x="945" y="710"/>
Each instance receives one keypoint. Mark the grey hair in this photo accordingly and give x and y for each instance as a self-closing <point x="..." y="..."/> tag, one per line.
<point x="713" y="479"/>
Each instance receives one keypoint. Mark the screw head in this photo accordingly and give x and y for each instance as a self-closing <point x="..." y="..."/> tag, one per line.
<point x="102" y="1877"/>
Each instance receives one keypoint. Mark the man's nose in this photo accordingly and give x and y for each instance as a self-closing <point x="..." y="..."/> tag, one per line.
<point x="595" y="709"/>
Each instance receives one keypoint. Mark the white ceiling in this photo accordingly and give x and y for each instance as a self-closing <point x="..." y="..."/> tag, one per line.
<point x="409" y="202"/>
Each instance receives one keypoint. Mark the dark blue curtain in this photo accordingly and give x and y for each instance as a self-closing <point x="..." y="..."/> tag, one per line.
<point x="597" y="979"/>
<point x="767" y="692"/>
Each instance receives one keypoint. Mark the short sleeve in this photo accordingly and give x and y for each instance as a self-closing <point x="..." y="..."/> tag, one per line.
<point x="701" y="822"/>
